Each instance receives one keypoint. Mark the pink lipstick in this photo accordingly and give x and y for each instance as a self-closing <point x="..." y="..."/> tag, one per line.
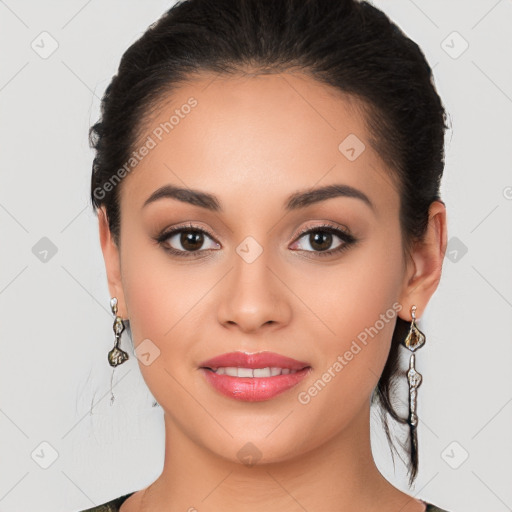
<point x="253" y="377"/>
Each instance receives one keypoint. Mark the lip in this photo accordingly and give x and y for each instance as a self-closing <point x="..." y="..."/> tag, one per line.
<point x="253" y="389"/>
<point x="256" y="360"/>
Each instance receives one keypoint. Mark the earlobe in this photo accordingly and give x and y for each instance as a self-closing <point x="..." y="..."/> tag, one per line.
<point x="428" y="257"/>
<point x="112" y="261"/>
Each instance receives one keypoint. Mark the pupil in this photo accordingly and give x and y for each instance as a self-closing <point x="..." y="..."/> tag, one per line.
<point x="191" y="240"/>
<point x="194" y="240"/>
<point x="316" y="240"/>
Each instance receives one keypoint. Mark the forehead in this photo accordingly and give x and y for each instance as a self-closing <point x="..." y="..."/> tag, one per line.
<point x="256" y="136"/>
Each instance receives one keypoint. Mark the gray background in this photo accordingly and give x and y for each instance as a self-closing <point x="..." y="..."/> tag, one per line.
<point x="56" y="325"/>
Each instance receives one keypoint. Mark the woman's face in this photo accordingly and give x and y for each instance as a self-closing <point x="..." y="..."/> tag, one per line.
<point x="252" y="283"/>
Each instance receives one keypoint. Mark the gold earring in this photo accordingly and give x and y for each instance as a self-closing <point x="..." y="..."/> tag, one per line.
<point x="117" y="356"/>
<point x="414" y="340"/>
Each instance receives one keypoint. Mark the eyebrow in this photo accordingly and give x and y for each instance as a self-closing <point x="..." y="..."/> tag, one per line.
<point x="295" y="201"/>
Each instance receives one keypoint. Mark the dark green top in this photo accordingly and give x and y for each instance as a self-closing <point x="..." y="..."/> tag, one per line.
<point x="115" y="504"/>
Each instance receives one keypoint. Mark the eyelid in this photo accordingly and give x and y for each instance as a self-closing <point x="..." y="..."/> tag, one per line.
<point x="339" y="230"/>
<point x="184" y="227"/>
<point x="342" y="233"/>
<point x="331" y="225"/>
<point x="169" y="233"/>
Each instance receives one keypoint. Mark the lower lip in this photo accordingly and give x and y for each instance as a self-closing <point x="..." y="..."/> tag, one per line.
<point x="253" y="389"/>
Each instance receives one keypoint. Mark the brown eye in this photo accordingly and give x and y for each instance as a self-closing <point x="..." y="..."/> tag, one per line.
<point x="320" y="241"/>
<point x="191" y="240"/>
<point x="321" y="238"/>
<point x="186" y="241"/>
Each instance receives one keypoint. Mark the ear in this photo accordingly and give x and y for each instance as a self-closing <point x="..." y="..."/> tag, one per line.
<point x="425" y="265"/>
<point x="112" y="262"/>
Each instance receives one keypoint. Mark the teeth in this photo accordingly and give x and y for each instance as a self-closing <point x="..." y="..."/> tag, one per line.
<point x="256" y="372"/>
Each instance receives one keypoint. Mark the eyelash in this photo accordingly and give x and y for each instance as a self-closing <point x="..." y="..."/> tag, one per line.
<point x="347" y="238"/>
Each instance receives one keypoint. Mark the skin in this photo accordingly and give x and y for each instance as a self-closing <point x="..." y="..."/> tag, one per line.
<point x="252" y="141"/>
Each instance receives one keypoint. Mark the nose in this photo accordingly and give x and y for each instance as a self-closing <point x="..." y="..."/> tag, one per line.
<point x="254" y="296"/>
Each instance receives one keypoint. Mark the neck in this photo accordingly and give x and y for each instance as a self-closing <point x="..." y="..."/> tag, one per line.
<point x="338" y="475"/>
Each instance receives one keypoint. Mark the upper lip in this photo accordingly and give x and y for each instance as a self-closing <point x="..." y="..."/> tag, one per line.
<point x="255" y="360"/>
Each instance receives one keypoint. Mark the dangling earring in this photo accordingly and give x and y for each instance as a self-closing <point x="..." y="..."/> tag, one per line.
<point x="415" y="339"/>
<point x="116" y="356"/>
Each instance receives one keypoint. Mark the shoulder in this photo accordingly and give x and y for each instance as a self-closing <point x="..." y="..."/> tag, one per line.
<point x="433" y="508"/>
<point x="110" y="506"/>
<point x="115" y="504"/>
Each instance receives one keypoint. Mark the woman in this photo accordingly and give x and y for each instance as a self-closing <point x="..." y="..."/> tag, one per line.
<point x="267" y="186"/>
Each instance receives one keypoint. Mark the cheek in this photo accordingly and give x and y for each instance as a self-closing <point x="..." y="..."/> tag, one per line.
<point x="350" y="367"/>
<point x="356" y="302"/>
<point x="345" y="299"/>
<point x="157" y="292"/>
<point x="165" y="305"/>
<point x="145" y="301"/>
<point x="161" y="303"/>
